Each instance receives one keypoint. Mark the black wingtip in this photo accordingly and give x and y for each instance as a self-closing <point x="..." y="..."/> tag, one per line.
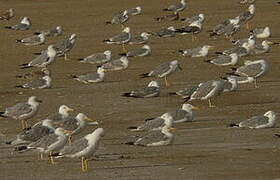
<point x="149" y="119"/>
<point x="108" y="22"/>
<point x="132" y="127"/>
<point x="186" y="99"/>
<point x="54" y="154"/>
<point x="233" y="68"/>
<point x="208" y="61"/>
<point x="18" y="40"/>
<point x="19" y="86"/>
<point x="74" y="76"/>
<point x="122" y="54"/>
<point x="231" y="74"/>
<point x="20" y="148"/>
<point x="126" y="95"/>
<point x="219" y="52"/>
<point x="165" y="9"/>
<point x="172" y="93"/>
<point x="8" y="27"/>
<point x="106" y="40"/>
<point x="8" y="142"/>
<point x="129" y="143"/>
<point x="37" y="53"/>
<point x="145" y="75"/>
<point x="233" y="125"/>
<point x="36" y="33"/>
<point x="80" y="59"/>
<point x="277" y="135"/>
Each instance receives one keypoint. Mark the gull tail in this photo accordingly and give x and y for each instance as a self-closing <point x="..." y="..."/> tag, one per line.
<point x="181" y="51"/>
<point x="219" y="52"/>
<point x="19" y="86"/>
<point x="172" y="93"/>
<point x="129" y="143"/>
<point x="56" y="155"/>
<point x="233" y="125"/>
<point x="165" y="9"/>
<point x="277" y="135"/>
<point x="126" y="94"/>
<point x="122" y="54"/>
<point x="149" y="119"/>
<point x="21" y="148"/>
<point x="208" y="61"/>
<point x="145" y="75"/>
<point x="8" y="27"/>
<point x="132" y="128"/>
<point x="74" y="76"/>
<point x="81" y="59"/>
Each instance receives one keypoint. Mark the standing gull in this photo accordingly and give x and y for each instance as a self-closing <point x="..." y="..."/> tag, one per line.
<point x="97" y="58"/>
<point x="91" y="77"/>
<point x="247" y="15"/>
<point x="57" y="31"/>
<point x="224" y="60"/>
<point x="142" y="39"/>
<point x="41" y="83"/>
<point x="23" y="111"/>
<point x="163" y="70"/>
<point x="142" y="51"/>
<point x="33" y="40"/>
<point x="121" y="38"/>
<point x="152" y="90"/>
<point x="43" y="59"/>
<point x="83" y="148"/>
<point x="196" y="52"/>
<point x="64" y="46"/>
<point x="24" y="24"/>
<point x="116" y="64"/>
<point x="119" y="18"/>
<point x="7" y="15"/>
<point x="261" y="33"/>
<point x="268" y="120"/>
<point x="176" y="8"/>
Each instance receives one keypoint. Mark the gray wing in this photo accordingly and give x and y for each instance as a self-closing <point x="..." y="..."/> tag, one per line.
<point x="221" y="60"/>
<point x="75" y="147"/>
<point x="181" y="115"/>
<point x="18" y="110"/>
<point x="137" y="40"/>
<point x="89" y="77"/>
<point x="20" y="27"/>
<point x="187" y="92"/>
<point x="193" y="52"/>
<point x="31" y="40"/>
<point x="138" y="52"/>
<point x="113" y="64"/>
<point x="145" y="92"/>
<point x="175" y="7"/>
<point x="39" y="60"/>
<point x="203" y="90"/>
<point x="240" y="51"/>
<point x="55" y="117"/>
<point x="258" y="31"/>
<point x="151" y="137"/>
<point x="165" y="33"/>
<point x="96" y="58"/>
<point x="161" y="69"/>
<point x="34" y="133"/>
<point x="45" y="141"/>
<point x="121" y="37"/>
<point x="37" y="83"/>
<point x="151" y="124"/>
<point x="251" y="70"/>
<point x="69" y="123"/>
<point x="254" y="121"/>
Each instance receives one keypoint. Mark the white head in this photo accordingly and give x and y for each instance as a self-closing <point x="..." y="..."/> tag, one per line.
<point x="72" y="37"/>
<point x="138" y="8"/>
<point x="201" y="17"/>
<point x="234" y="56"/>
<point x="233" y="81"/>
<point x="82" y="117"/>
<point x="25" y="20"/>
<point x="48" y="79"/>
<point x="153" y="84"/>
<point x="171" y="28"/>
<point x="271" y="115"/>
<point x="246" y="45"/>
<point x="63" y="110"/>
<point x="11" y="12"/>
<point x="59" y="29"/>
<point x="125" y="13"/>
<point x="51" y="51"/>
<point x="60" y="131"/>
<point x="47" y="123"/>
<point x="183" y="1"/>
<point x="108" y="54"/>
<point x="100" y="70"/>
<point x="146" y="47"/>
<point x="196" y="23"/>
<point x="124" y="59"/>
<point x="168" y="120"/>
<point x="42" y="36"/>
<point x="188" y="107"/>
<point x="99" y="132"/>
<point x="33" y="100"/>
<point x="144" y="34"/>
<point x="250" y="79"/>
<point x="126" y="30"/>
<point x="174" y="63"/>
<point x="252" y="8"/>
<point x="234" y="21"/>
<point x="266" y="29"/>
<point x="46" y="71"/>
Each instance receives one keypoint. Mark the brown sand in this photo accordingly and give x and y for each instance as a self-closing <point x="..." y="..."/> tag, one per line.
<point x="205" y="149"/>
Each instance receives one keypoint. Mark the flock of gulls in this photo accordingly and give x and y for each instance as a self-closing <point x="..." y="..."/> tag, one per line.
<point x="53" y="136"/>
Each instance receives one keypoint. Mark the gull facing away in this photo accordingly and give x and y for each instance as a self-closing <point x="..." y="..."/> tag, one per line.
<point x="247" y="15"/>
<point x="48" y="144"/>
<point x="261" y="33"/>
<point x="230" y="84"/>
<point x="152" y="90"/>
<point x="163" y="70"/>
<point x="82" y="148"/>
<point x="253" y="69"/>
<point x="165" y="32"/>
<point x="208" y="90"/>
<point x="264" y="47"/>
<point x="97" y="58"/>
<point x="41" y="83"/>
<point x="33" y="40"/>
<point x="196" y="52"/>
<point x="240" y="42"/>
<point x="268" y="120"/>
<point x="116" y="64"/>
<point x="23" y="111"/>
<point x="230" y="26"/>
<point x="176" y="8"/>
<point x="199" y="17"/>
<point x="225" y="60"/>
<point x="91" y="77"/>
<point x="154" y="124"/>
<point x="43" y="59"/>
<point x="142" y="51"/>
<point x="64" y="46"/>
<point x="134" y="11"/>
<point x="24" y="24"/>
<point x="119" y="18"/>
<point x="63" y="113"/>
<point x="57" y="31"/>
<point x="122" y="38"/>
<point x="142" y="39"/>
<point x="8" y="14"/>
<point x="33" y="133"/>
<point x="35" y="74"/>
<point x="162" y="137"/>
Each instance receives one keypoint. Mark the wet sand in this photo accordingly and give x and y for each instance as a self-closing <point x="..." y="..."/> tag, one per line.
<point x="205" y="149"/>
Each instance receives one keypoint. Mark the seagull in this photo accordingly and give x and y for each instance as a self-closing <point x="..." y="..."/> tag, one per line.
<point x="152" y="90"/>
<point x="228" y="25"/>
<point x="33" y="40"/>
<point x="41" y="83"/>
<point x="268" y="120"/>
<point x="7" y="15"/>
<point x="185" y="93"/>
<point x="143" y="51"/>
<point x="134" y="11"/>
<point x="193" y="28"/>
<point x="48" y="144"/>
<point x="142" y="39"/>
<point x="119" y="18"/>
<point x="23" y="111"/>
<point x="261" y="48"/>
<point x="165" y="32"/>
<point x="64" y="46"/>
<point x="243" y="79"/>
<point x="163" y="70"/>
<point x="75" y="125"/>
<point x="155" y="138"/>
<point x="82" y="148"/>
<point x="63" y="113"/>
<point x="199" y="17"/>
<point x="207" y="90"/>
<point x="176" y="8"/>
<point x="240" y="50"/>
<point x="247" y="15"/>
<point x="154" y="124"/>
<point x="122" y="38"/>
<point x="230" y="84"/>
<point x="196" y="52"/>
<point x="57" y="31"/>
<point x="97" y="58"/>
<point x="91" y="77"/>
<point x="116" y="64"/>
<point x="247" y="1"/>
<point x="240" y="42"/>
<point x="24" y="24"/>
<point x="42" y="60"/>
<point x="225" y="60"/>
<point x="253" y="69"/>
<point x="261" y="33"/>
<point x="33" y="133"/>
<point x="37" y="74"/>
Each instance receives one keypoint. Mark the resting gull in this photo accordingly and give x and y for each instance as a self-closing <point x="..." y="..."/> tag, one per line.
<point x="247" y="15"/>
<point x="91" y="77"/>
<point x="196" y="52"/>
<point x="8" y="14"/>
<point x="199" y="17"/>
<point x="142" y="39"/>
<point x="41" y="83"/>
<point x="24" y="24"/>
<point x="268" y="120"/>
<point x="37" y="74"/>
<point x="243" y="79"/>
<point x="64" y="46"/>
<point x="142" y="51"/>
<point x="134" y="11"/>
<point x="43" y="59"/>
<point x="185" y="93"/>
<point x="116" y="64"/>
<point x="225" y="60"/>
<point x="57" y="31"/>
<point x="152" y="90"/>
<point x="261" y="33"/>
<point x="119" y="18"/>
<point x="165" y="32"/>
<point x="163" y="70"/>
<point x="82" y="148"/>
<point x="240" y="42"/>
<point x="122" y="38"/>
<point x="264" y="47"/>
<point x="176" y="8"/>
<point x="97" y="58"/>
<point x="63" y="112"/>
<point x="23" y="111"/>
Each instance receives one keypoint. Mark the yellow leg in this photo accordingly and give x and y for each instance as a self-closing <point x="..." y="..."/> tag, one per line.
<point x="255" y="81"/>
<point x="247" y="25"/>
<point x="86" y="164"/>
<point x="26" y="124"/>
<point x="83" y="164"/>
<point x="22" y="124"/>
<point x="210" y="104"/>
<point x="123" y="47"/>
<point x="166" y="82"/>
<point x="65" y="57"/>
<point x="69" y="139"/>
<point x="51" y="158"/>
<point x="41" y="156"/>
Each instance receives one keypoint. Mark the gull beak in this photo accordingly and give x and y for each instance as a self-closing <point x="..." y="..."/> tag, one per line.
<point x="39" y="100"/>
<point x="195" y="108"/>
<point x="70" y="109"/>
<point x="88" y="119"/>
<point x="171" y="129"/>
<point x="67" y="131"/>
<point x="211" y="47"/>
<point x="180" y="68"/>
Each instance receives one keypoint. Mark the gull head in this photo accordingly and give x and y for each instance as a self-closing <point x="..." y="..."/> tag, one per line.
<point x="34" y="100"/>
<point x="25" y="20"/>
<point x="171" y="28"/>
<point x="108" y="54"/>
<point x="138" y="8"/>
<point x="201" y="17"/>
<point x="146" y="47"/>
<point x="100" y="70"/>
<point x="153" y="84"/>
<point x="189" y="107"/>
<point x="271" y="115"/>
<point x="252" y="8"/>
<point x="63" y="109"/>
<point x="126" y="30"/>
